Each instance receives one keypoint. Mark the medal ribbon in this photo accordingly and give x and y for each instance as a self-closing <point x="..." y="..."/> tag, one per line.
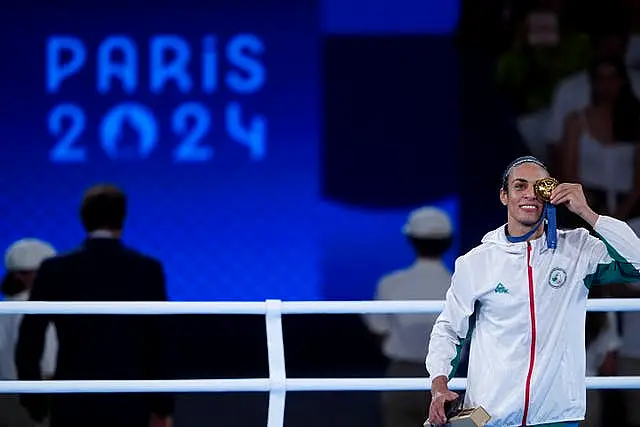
<point x="549" y="213"/>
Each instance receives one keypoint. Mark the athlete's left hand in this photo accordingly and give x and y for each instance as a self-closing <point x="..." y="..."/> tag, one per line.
<point x="572" y="196"/>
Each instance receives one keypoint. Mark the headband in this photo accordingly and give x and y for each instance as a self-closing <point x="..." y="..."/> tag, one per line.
<point x="517" y="162"/>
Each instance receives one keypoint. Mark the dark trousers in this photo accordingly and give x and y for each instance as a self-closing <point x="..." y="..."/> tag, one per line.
<point x="12" y="414"/>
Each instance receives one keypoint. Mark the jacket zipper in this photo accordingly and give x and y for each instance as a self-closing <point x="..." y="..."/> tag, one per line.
<point x="532" y="311"/>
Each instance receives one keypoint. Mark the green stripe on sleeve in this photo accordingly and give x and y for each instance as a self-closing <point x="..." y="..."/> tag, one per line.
<point x="617" y="271"/>
<point x="472" y="325"/>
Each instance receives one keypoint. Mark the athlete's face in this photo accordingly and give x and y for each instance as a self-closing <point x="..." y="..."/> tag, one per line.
<point x="522" y="205"/>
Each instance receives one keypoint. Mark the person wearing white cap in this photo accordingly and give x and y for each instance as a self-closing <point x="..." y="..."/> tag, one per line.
<point x="405" y="337"/>
<point x="21" y="260"/>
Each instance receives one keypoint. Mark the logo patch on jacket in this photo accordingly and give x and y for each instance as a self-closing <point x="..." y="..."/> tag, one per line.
<point x="557" y="277"/>
<point x="501" y="289"/>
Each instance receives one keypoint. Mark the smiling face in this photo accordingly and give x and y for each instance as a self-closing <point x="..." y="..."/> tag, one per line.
<point x="523" y="208"/>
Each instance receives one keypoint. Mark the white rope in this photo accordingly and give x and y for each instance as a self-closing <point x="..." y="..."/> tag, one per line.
<point x="128" y="307"/>
<point x="264" y="384"/>
<point x="288" y="307"/>
<point x="277" y="371"/>
<point x="277" y="384"/>
<point x="157" y="386"/>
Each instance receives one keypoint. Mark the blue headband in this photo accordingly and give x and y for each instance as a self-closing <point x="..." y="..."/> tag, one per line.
<point x="518" y="162"/>
<point x="549" y="212"/>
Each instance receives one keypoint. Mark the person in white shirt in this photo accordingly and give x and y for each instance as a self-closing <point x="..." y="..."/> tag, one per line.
<point x="405" y="338"/>
<point x="22" y="260"/>
<point x="632" y="8"/>
<point x="598" y="147"/>
<point x="574" y="92"/>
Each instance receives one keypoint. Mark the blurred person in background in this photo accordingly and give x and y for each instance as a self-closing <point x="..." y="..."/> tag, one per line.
<point x="609" y="40"/>
<point x="632" y="56"/>
<point x="405" y="337"/>
<point x="99" y="347"/>
<point x="599" y="143"/>
<point x="22" y="260"/>
<point x="544" y="51"/>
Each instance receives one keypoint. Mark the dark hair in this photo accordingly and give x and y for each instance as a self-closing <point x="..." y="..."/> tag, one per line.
<point x="517" y="162"/>
<point x="430" y="248"/>
<point x="103" y="207"/>
<point x="626" y="111"/>
<point x="12" y="285"/>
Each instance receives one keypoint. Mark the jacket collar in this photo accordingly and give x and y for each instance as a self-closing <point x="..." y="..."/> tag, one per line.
<point x="498" y="237"/>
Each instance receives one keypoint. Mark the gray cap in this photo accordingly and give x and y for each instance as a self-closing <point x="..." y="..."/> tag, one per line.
<point x="27" y="254"/>
<point x="428" y="223"/>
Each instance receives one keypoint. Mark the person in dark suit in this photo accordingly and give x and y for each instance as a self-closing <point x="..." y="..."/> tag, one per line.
<point x="99" y="347"/>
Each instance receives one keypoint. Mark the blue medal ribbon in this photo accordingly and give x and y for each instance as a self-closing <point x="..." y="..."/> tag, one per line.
<point x="552" y="226"/>
<point x="549" y="213"/>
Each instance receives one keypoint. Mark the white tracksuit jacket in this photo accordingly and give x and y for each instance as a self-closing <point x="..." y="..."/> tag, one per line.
<point x="523" y="306"/>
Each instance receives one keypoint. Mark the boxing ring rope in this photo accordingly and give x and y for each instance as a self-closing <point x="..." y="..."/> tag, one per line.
<point x="277" y="384"/>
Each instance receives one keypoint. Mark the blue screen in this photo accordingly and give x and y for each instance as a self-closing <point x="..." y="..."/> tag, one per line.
<point x="390" y="17"/>
<point x="211" y="123"/>
<point x="208" y="121"/>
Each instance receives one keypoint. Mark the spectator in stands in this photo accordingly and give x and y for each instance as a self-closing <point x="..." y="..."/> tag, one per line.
<point x="405" y="338"/>
<point x="545" y="50"/>
<point x="598" y="147"/>
<point x="575" y="92"/>
<point x="633" y="49"/>
<point x="99" y="347"/>
<point x="22" y="260"/>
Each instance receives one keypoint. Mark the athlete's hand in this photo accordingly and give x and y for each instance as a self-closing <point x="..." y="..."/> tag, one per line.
<point x="572" y="196"/>
<point x="440" y="394"/>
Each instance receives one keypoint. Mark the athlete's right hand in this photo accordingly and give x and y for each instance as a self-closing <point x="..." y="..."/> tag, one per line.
<point x="440" y="394"/>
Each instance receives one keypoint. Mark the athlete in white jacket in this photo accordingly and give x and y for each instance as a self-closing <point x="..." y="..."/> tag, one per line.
<point x="522" y="303"/>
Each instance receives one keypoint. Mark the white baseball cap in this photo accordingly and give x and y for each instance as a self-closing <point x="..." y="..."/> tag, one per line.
<point x="428" y="223"/>
<point x="27" y="254"/>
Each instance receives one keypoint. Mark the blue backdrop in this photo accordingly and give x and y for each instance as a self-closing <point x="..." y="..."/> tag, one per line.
<point x="211" y="122"/>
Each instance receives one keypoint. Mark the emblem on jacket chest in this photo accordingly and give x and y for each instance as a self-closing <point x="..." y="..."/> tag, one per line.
<point x="557" y="277"/>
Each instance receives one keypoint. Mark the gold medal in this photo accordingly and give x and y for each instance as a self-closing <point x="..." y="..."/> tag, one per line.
<point x="544" y="187"/>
